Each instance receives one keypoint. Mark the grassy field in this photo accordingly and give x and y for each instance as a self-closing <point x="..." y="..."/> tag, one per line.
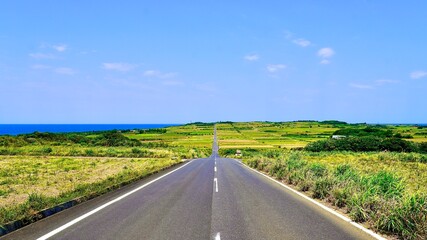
<point x="191" y="135"/>
<point x="30" y="184"/>
<point x="293" y="134"/>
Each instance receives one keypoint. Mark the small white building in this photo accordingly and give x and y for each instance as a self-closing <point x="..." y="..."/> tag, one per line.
<point x="338" y="136"/>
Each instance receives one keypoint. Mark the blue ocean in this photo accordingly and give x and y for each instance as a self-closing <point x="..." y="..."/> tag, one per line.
<point x="15" y="129"/>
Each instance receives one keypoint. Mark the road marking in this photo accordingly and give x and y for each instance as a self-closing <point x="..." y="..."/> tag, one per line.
<point x="215" y="168"/>
<point x="218" y="236"/>
<point x="69" y="224"/>
<point x="370" y="232"/>
<point x="216" y="184"/>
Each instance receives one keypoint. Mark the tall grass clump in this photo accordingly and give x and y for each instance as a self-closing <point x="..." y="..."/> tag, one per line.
<point x="407" y="219"/>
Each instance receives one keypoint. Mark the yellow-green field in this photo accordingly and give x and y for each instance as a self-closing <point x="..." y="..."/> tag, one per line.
<point x="188" y="135"/>
<point x="52" y="176"/>
<point x="269" y="135"/>
<point x="289" y="134"/>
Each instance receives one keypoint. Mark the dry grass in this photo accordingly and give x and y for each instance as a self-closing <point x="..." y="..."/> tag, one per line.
<point x="20" y="176"/>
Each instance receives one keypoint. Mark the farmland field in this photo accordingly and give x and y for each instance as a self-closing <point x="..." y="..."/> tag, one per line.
<point x="294" y="134"/>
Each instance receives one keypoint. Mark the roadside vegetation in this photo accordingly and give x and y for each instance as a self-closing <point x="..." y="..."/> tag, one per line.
<point x="375" y="174"/>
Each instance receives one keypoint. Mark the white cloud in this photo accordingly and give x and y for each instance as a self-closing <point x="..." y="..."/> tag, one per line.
<point x="325" y="61"/>
<point x="121" y="67"/>
<point x="206" y="87"/>
<point x="41" y="56"/>
<point x="252" y="57"/>
<point x="275" y="67"/>
<point x="289" y="35"/>
<point x="87" y="52"/>
<point x="302" y="42"/>
<point x="375" y="84"/>
<point x="361" y="86"/>
<point x="385" y="81"/>
<point x="40" y="67"/>
<point x="65" y="71"/>
<point x="158" y="74"/>
<point x="418" y="74"/>
<point x="172" y="83"/>
<point x="326" y="52"/>
<point x="60" y="47"/>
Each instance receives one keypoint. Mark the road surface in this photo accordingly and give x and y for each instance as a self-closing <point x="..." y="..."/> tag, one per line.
<point x="212" y="198"/>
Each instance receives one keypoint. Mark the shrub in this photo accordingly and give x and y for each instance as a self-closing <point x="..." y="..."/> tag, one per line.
<point x="115" y="139"/>
<point x="367" y="131"/>
<point x="89" y="152"/>
<point x="363" y="144"/>
<point x="46" y="150"/>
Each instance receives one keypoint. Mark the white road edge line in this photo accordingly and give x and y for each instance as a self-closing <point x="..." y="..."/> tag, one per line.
<point x="342" y="217"/>
<point x="218" y="236"/>
<point x="67" y="225"/>
<point x="216" y="184"/>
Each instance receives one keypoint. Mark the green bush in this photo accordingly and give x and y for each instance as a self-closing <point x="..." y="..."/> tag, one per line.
<point x="367" y="131"/>
<point x="363" y="144"/>
<point x="46" y="150"/>
<point x="89" y="152"/>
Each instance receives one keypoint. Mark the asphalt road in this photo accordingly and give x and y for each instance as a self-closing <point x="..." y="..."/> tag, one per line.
<point x="212" y="198"/>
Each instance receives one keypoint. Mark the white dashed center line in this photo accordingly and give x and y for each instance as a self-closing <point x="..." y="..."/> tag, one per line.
<point x="216" y="184"/>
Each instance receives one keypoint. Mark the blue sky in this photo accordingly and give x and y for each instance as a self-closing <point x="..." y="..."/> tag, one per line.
<point x="187" y="61"/>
